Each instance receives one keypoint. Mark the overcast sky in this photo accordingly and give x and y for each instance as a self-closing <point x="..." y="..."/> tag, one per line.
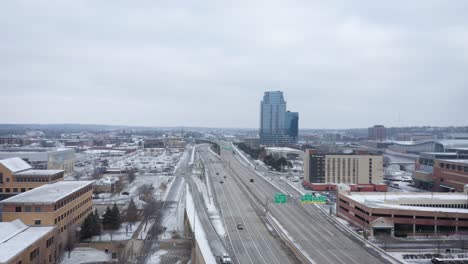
<point x="340" y="64"/>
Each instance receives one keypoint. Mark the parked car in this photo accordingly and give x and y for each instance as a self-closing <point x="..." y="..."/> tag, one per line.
<point x="125" y="193"/>
<point x="240" y="226"/>
<point x="221" y="181"/>
<point x="251" y="180"/>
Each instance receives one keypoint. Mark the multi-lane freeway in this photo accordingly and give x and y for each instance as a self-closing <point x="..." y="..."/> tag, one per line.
<point x="320" y="239"/>
<point x="254" y="243"/>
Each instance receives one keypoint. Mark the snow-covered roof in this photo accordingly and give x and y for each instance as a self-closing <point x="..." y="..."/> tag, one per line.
<point x="108" y="180"/>
<point x="48" y="193"/>
<point x="38" y="172"/>
<point x="15" y="237"/>
<point x="462" y="161"/>
<point x="15" y="164"/>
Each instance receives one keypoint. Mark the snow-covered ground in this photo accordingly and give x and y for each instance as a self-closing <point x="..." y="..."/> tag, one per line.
<point x="125" y="232"/>
<point x="156" y="257"/>
<point x="85" y="255"/>
<point x="200" y="234"/>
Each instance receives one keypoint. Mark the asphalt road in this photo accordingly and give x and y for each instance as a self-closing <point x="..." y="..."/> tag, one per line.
<point x="319" y="238"/>
<point x="254" y="243"/>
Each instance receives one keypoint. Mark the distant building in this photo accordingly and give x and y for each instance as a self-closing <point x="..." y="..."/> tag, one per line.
<point x="277" y="127"/>
<point x="63" y="204"/>
<point x="17" y="176"/>
<point x="253" y="143"/>
<point x="417" y="147"/>
<point x="287" y="153"/>
<point x="43" y="158"/>
<point x="377" y="132"/>
<point x="342" y="168"/>
<point x="20" y="243"/>
<point x="441" y="171"/>
<point x="292" y="125"/>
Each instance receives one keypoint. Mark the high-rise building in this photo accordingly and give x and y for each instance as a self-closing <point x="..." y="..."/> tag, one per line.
<point x="274" y="120"/>
<point x="292" y="124"/>
<point x="377" y="132"/>
<point x="343" y="168"/>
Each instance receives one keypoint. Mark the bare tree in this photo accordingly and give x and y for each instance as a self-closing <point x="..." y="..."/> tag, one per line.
<point x="71" y="241"/>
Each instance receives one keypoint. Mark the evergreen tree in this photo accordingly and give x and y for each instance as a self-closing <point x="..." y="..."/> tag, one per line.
<point x="95" y="225"/>
<point x="116" y="220"/>
<point x="132" y="212"/>
<point x="107" y="219"/>
<point x="85" y="229"/>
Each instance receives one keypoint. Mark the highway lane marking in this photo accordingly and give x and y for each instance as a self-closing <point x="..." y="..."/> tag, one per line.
<point x="259" y="233"/>
<point x="308" y="231"/>
<point x="237" y="231"/>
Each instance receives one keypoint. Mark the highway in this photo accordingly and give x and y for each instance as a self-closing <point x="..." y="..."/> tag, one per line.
<point x="320" y="239"/>
<point x="255" y="243"/>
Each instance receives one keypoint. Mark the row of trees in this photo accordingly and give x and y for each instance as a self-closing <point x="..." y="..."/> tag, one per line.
<point x="111" y="220"/>
<point x="277" y="164"/>
<point x="254" y="153"/>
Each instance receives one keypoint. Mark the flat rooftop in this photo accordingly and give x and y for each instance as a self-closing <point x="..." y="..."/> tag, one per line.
<point x="461" y="161"/>
<point x="48" y="193"/>
<point x="397" y="200"/>
<point x="38" y="172"/>
<point x="15" y="237"/>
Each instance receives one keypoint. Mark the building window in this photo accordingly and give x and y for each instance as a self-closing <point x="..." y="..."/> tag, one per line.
<point x="37" y="222"/>
<point x="27" y="208"/>
<point x="37" y="209"/>
<point x="18" y="209"/>
<point x="23" y="189"/>
<point x="15" y="190"/>
<point x="7" y="179"/>
<point x="7" y="190"/>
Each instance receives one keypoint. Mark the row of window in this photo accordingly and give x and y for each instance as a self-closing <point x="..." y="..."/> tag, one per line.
<point x="454" y="167"/>
<point x="14" y="190"/>
<point x="36" y="178"/>
<point x="34" y="254"/>
<point x="73" y="209"/>
<point x="73" y="197"/>
<point x="82" y="214"/>
<point x="37" y="209"/>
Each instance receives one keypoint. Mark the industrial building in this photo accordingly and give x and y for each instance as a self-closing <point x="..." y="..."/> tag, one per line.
<point x="17" y="176"/>
<point x="416" y="147"/>
<point x="43" y="158"/>
<point x="405" y="214"/>
<point x="335" y="168"/>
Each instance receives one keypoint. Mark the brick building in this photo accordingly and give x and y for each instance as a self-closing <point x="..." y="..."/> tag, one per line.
<point x="63" y="204"/>
<point x="17" y="176"/>
<point x="21" y="244"/>
<point x="407" y="214"/>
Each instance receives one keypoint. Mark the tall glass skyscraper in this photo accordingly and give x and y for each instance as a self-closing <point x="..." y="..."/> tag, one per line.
<point x="277" y="127"/>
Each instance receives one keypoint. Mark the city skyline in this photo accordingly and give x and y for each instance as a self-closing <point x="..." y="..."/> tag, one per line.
<point x="154" y="64"/>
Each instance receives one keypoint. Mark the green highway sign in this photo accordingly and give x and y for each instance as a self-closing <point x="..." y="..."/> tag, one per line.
<point x="281" y="198"/>
<point x="309" y="198"/>
<point x="227" y="148"/>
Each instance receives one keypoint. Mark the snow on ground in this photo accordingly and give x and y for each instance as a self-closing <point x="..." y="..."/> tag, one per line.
<point x="85" y="255"/>
<point x="200" y="235"/>
<point x="173" y="219"/>
<point x="125" y="232"/>
<point x="156" y="257"/>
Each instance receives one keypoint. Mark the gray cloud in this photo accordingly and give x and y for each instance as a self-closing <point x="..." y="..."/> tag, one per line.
<point x="340" y="64"/>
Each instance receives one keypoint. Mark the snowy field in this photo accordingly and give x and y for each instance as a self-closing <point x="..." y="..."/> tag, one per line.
<point x="85" y="255"/>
